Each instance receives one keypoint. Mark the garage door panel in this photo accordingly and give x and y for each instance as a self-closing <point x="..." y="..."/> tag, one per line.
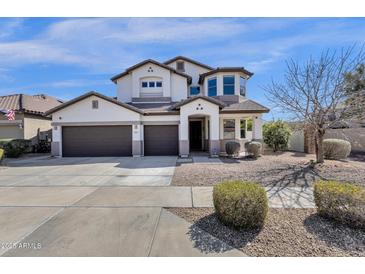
<point x="161" y="140"/>
<point x="93" y="141"/>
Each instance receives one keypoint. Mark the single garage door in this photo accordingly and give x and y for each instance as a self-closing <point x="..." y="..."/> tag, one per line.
<point x="161" y="140"/>
<point x="93" y="141"/>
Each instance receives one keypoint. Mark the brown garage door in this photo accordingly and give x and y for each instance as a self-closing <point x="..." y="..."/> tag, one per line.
<point x="93" y="141"/>
<point x="161" y="140"/>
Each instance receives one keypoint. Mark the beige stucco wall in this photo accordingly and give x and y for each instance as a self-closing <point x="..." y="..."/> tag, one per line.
<point x="356" y="136"/>
<point x="11" y="129"/>
<point x="32" y="124"/>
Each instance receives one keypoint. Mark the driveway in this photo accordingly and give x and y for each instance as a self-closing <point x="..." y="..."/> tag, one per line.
<point x="97" y="207"/>
<point x="90" y="172"/>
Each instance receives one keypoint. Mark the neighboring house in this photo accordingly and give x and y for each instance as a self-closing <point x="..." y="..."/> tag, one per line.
<point x="29" y="122"/>
<point x="170" y="108"/>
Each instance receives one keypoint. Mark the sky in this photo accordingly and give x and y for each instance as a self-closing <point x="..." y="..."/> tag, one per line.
<point x="66" y="57"/>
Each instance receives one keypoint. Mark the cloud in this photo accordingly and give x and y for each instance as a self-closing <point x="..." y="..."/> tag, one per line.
<point x="108" y="45"/>
<point x="9" y="26"/>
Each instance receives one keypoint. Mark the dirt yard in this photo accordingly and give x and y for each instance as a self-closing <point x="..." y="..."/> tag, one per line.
<point x="287" y="232"/>
<point x="284" y="169"/>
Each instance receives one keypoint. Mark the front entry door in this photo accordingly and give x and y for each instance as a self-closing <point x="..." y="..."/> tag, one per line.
<point x="195" y="135"/>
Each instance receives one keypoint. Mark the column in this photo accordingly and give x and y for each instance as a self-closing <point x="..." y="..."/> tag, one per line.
<point x="257" y="128"/>
<point x="137" y="139"/>
<point x="56" y="145"/>
<point x="184" y="136"/>
<point x="214" y="143"/>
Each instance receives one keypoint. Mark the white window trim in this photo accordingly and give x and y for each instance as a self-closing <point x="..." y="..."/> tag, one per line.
<point x="216" y="85"/>
<point x="234" y="84"/>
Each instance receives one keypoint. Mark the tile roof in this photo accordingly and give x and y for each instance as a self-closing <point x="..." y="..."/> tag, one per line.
<point x="116" y="77"/>
<point x="188" y="60"/>
<point x="246" y="105"/>
<point x="153" y="106"/>
<point x="225" y="69"/>
<point x="209" y="99"/>
<point x="93" y="93"/>
<point x="36" y="104"/>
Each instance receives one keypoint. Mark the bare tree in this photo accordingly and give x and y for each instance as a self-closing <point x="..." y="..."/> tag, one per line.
<point x="314" y="92"/>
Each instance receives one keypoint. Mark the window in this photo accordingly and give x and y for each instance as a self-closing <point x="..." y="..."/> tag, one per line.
<point x="228" y="129"/>
<point x="249" y="123"/>
<point x="180" y="65"/>
<point x="95" y="104"/>
<point x="212" y="87"/>
<point x="151" y="84"/>
<point x="194" y="90"/>
<point x="243" y="129"/>
<point x="144" y="84"/>
<point x="242" y="86"/>
<point x="228" y="85"/>
<point x="159" y="84"/>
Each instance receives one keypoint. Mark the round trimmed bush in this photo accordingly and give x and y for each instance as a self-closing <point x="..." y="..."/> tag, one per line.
<point x="253" y="148"/>
<point x="336" y="149"/>
<point x="232" y="148"/>
<point x="240" y="204"/>
<point x="343" y="202"/>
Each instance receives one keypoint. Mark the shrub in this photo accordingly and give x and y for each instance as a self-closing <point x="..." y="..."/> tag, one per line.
<point x="336" y="149"/>
<point x="1" y="154"/>
<point x="342" y="202"/>
<point x="240" y="204"/>
<point x="232" y="148"/>
<point x="253" y="148"/>
<point x="16" y="147"/>
<point x="276" y="135"/>
<point x="4" y="141"/>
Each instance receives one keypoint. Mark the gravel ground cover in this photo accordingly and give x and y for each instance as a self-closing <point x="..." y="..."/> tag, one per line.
<point x="281" y="170"/>
<point x="287" y="232"/>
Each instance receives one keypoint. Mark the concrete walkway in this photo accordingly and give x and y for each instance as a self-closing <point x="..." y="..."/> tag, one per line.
<point x="172" y="196"/>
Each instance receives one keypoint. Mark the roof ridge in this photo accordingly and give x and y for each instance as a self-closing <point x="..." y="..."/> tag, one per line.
<point x="169" y="61"/>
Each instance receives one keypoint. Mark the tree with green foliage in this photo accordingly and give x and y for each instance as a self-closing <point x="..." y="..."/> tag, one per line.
<point x="276" y="134"/>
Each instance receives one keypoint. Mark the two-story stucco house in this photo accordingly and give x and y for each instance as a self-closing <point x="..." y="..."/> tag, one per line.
<point x="170" y="108"/>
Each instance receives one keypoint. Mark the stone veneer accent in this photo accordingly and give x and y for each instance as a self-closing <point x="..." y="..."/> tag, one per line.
<point x="137" y="148"/>
<point x="55" y="148"/>
<point x="184" y="148"/>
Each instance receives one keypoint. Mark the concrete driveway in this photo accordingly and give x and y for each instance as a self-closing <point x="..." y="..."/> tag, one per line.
<point x="98" y="207"/>
<point x="101" y="171"/>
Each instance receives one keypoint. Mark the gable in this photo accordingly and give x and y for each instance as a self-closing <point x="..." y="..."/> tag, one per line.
<point x="82" y="111"/>
<point x="148" y="62"/>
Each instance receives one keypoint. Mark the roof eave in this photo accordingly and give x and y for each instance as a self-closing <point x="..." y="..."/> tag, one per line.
<point x="88" y="94"/>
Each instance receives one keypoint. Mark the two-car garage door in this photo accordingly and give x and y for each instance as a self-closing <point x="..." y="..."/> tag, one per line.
<point x="91" y="141"/>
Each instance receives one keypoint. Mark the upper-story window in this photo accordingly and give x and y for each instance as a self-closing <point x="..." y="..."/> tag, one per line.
<point x="242" y="86"/>
<point x="212" y="86"/>
<point x="180" y="66"/>
<point x="194" y="91"/>
<point x="152" y="84"/>
<point x="228" y="85"/>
